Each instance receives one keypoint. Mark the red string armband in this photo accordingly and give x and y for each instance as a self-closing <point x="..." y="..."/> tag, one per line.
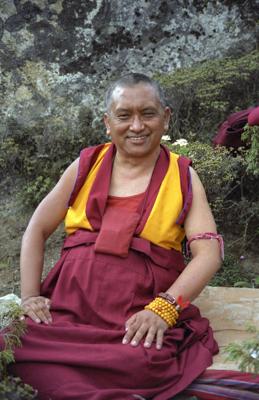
<point x="206" y="235"/>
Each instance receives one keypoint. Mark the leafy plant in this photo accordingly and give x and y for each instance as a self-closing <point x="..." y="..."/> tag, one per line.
<point x="203" y="95"/>
<point x="251" y="155"/>
<point x="246" y="354"/>
<point x="231" y="188"/>
<point x="39" y="154"/>
<point x="12" y="329"/>
<point x="217" y="169"/>
<point x="12" y="388"/>
<point x="232" y="274"/>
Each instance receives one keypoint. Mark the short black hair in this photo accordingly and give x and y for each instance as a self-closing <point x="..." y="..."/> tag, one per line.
<point x="132" y="79"/>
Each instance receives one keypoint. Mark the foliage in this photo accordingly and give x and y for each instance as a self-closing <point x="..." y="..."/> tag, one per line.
<point x="12" y="388"/>
<point x="251" y="155"/>
<point x="233" y="274"/>
<point x="217" y="169"/>
<point x="246" y="353"/>
<point x="41" y="153"/>
<point x="202" y="96"/>
<point x="231" y="189"/>
<point x="12" y="329"/>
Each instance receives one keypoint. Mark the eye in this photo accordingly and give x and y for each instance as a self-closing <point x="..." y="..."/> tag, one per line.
<point x="123" y="117"/>
<point x="149" y="114"/>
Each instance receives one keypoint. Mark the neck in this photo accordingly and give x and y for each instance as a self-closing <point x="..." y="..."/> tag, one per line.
<point x="136" y="163"/>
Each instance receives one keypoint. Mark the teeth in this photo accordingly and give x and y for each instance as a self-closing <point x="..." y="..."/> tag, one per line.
<point x="137" y="137"/>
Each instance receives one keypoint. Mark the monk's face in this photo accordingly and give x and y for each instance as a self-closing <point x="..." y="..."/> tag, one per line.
<point x="136" y="120"/>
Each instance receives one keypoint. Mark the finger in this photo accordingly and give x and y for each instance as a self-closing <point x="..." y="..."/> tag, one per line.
<point x="39" y="310"/>
<point x="132" y="326"/>
<point x="46" y="312"/>
<point x="159" y="339"/>
<point x="150" y="337"/>
<point x="142" y="330"/>
<point x="130" y="332"/>
<point x="130" y="321"/>
<point x="33" y="316"/>
<point x="44" y="315"/>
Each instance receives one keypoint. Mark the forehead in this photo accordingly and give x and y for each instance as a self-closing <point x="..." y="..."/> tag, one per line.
<point x="139" y="95"/>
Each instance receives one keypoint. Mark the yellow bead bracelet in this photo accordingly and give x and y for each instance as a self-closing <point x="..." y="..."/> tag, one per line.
<point x="164" y="309"/>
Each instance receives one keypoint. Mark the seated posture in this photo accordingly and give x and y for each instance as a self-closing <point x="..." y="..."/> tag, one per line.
<point x="114" y="319"/>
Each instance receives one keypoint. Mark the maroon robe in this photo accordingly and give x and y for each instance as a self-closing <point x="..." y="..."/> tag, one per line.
<point x="230" y="131"/>
<point x="81" y="355"/>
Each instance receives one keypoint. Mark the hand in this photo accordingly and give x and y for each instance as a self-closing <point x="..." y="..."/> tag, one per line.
<point x="143" y="323"/>
<point x="37" y="308"/>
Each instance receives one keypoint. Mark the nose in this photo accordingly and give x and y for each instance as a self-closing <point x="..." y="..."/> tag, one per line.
<point x="136" y="124"/>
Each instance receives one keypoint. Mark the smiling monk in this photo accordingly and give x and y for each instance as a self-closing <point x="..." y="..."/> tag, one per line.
<point x="114" y="319"/>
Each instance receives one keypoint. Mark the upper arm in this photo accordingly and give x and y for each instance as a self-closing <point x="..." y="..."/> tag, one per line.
<point x="199" y="218"/>
<point x="52" y="209"/>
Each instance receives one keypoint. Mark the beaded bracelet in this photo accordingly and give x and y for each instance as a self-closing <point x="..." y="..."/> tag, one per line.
<point x="164" y="309"/>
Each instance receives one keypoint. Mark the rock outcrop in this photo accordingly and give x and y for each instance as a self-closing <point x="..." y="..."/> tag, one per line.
<point x="57" y="56"/>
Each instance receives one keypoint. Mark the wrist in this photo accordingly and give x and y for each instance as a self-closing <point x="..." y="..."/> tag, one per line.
<point x="164" y="309"/>
<point x="178" y="303"/>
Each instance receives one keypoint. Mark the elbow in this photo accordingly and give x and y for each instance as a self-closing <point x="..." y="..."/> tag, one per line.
<point x="33" y="234"/>
<point x="219" y="263"/>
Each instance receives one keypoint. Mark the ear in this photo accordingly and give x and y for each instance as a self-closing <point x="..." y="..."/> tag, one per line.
<point x="107" y="124"/>
<point x="167" y="116"/>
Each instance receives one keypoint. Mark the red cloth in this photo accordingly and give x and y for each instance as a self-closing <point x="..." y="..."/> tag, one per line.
<point x="253" y="117"/>
<point x="230" y="131"/>
<point x="81" y="355"/>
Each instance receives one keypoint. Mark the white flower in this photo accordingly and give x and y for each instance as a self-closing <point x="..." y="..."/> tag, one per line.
<point x="180" y="142"/>
<point x="255" y="354"/>
<point x="166" y="138"/>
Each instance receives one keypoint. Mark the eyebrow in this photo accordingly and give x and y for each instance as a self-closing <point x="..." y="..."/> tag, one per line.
<point x="148" y="108"/>
<point x="121" y="110"/>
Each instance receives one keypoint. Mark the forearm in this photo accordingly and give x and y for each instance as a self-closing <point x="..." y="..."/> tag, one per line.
<point x="31" y="263"/>
<point x="197" y="274"/>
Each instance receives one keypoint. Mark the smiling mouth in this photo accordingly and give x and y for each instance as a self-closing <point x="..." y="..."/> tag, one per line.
<point x="137" y="138"/>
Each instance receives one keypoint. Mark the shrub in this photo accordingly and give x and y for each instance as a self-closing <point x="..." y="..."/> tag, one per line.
<point x="217" y="169"/>
<point x="251" y="155"/>
<point x="246" y="353"/>
<point x="231" y="188"/>
<point x="202" y="96"/>
<point x="10" y="387"/>
<point x="40" y="154"/>
<point x="232" y="274"/>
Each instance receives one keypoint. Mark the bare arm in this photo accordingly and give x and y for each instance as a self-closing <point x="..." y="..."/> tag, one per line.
<point x="206" y="258"/>
<point x="205" y="262"/>
<point x="46" y="218"/>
